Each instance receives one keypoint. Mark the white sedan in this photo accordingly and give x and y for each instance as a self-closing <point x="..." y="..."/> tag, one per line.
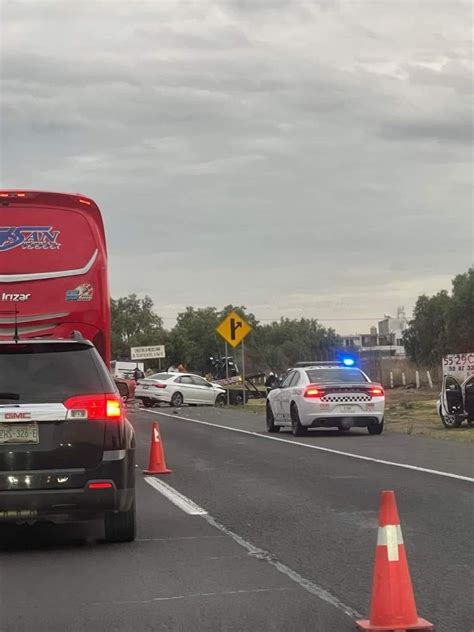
<point x="177" y="389"/>
<point x="327" y="395"/>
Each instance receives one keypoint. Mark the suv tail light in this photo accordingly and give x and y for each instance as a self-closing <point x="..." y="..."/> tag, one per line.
<point x="102" y="407"/>
<point x="314" y="392"/>
<point x="376" y="391"/>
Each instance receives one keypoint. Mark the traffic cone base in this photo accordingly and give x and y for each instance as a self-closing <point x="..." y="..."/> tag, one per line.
<point x="421" y="624"/>
<point x="156" y="464"/>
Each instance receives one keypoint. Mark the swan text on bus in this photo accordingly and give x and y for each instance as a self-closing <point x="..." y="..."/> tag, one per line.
<point x="29" y="238"/>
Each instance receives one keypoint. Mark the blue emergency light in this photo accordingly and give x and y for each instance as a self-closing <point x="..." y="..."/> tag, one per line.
<point x="348" y="361"/>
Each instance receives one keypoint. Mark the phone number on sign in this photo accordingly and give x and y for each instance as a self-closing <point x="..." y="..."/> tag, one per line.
<point x="459" y="360"/>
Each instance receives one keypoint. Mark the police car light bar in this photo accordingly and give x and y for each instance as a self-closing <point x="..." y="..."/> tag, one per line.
<point x="348" y="361"/>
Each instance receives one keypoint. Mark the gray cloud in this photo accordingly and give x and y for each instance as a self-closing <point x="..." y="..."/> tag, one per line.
<point x="303" y="158"/>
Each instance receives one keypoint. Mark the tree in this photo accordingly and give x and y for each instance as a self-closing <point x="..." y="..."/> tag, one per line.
<point x="193" y="339"/>
<point x="134" y="324"/>
<point x="284" y="343"/>
<point x="442" y="323"/>
<point x="461" y="313"/>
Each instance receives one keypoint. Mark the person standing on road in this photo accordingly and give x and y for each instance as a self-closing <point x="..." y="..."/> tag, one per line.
<point x="271" y="381"/>
<point x="138" y="374"/>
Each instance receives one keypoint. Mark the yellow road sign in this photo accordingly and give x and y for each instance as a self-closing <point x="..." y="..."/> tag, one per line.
<point x="233" y="329"/>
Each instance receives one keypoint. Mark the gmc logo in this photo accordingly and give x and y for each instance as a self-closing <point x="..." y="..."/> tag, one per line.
<point x="17" y="416"/>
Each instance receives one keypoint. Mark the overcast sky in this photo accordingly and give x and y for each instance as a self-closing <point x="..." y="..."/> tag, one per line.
<point x="303" y="158"/>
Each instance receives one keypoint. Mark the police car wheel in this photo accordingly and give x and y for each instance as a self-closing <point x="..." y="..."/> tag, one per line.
<point x="296" y="428"/>
<point x="270" y="419"/>
<point x="375" y="428"/>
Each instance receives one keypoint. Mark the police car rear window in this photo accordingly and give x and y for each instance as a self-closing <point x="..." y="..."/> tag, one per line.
<point x="33" y="374"/>
<point x="317" y="376"/>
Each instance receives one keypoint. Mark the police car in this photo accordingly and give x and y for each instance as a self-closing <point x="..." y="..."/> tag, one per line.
<point x="326" y="395"/>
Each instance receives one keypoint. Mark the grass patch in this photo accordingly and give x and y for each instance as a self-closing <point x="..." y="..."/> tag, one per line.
<point x="414" y="413"/>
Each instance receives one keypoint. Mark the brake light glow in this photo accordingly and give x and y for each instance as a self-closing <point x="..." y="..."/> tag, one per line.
<point x="113" y="408"/>
<point x="376" y="391"/>
<point x="314" y="392"/>
<point x="82" y="201"/>
<point x="99" y="407"/>
<point x="100" y="485"/>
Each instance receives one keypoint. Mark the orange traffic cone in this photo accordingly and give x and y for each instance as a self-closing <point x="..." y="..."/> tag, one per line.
<point x="156" y="464"/>
<point x="392" y="607"/>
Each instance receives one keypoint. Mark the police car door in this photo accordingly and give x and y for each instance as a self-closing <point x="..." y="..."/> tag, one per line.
<point x="285" y="396"/>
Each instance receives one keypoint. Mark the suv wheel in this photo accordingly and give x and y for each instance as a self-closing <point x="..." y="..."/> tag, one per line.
<point x="120" y="526"/>
<point x="297" y="429"/>
<point x="375" y="428"/>
<point x="271" y="420"/>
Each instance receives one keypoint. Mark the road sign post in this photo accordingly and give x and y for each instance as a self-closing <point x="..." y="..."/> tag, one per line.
<point x="243" y="372"/>
<point x="227" y="372"/>
<point x="234" y="329"/>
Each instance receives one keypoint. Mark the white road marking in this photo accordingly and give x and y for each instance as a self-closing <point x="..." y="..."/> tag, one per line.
<point x="361" y="457"/>
<point x="192" y="596"/>
<point x="185" y="503"/>
<point x="175" y="497"/>
<point x="186" y="537"/>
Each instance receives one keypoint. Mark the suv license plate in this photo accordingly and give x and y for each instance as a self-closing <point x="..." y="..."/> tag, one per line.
<point x="19" y="433"/>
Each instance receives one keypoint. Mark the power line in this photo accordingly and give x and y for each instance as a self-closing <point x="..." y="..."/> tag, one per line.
<point x="278" y="318"/>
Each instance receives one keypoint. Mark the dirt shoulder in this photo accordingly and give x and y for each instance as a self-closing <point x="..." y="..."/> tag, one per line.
<point x="414" y="412"/>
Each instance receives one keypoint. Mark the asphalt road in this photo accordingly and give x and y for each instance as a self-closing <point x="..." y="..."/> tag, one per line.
<point x="287" y="542"/>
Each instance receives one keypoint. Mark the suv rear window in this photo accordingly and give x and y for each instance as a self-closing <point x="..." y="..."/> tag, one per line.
<point x="322" y="376"/>
<point x="48" y="373"/>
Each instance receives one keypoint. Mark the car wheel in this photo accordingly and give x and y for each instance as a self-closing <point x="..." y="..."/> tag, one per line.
<point x="450" y="421"/>
<point x="220" y="401"/>
<point x="177" y="400"/>
<point x="147" y="403"/>
<point x="375" y="428"/>
<point x="270" y="419"/>
<point x="120" y="526"/>
<point x="297" y="429"/>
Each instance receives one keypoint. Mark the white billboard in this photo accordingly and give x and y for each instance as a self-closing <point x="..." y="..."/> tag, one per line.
<point x="147" y="353"/>
<point x="459" y="365"/>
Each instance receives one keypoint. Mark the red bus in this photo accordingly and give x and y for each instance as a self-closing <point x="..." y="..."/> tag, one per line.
<point x="53" y="268"/>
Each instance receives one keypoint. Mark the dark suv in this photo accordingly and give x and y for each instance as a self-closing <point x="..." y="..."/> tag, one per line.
<point x="66" y="448"/>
